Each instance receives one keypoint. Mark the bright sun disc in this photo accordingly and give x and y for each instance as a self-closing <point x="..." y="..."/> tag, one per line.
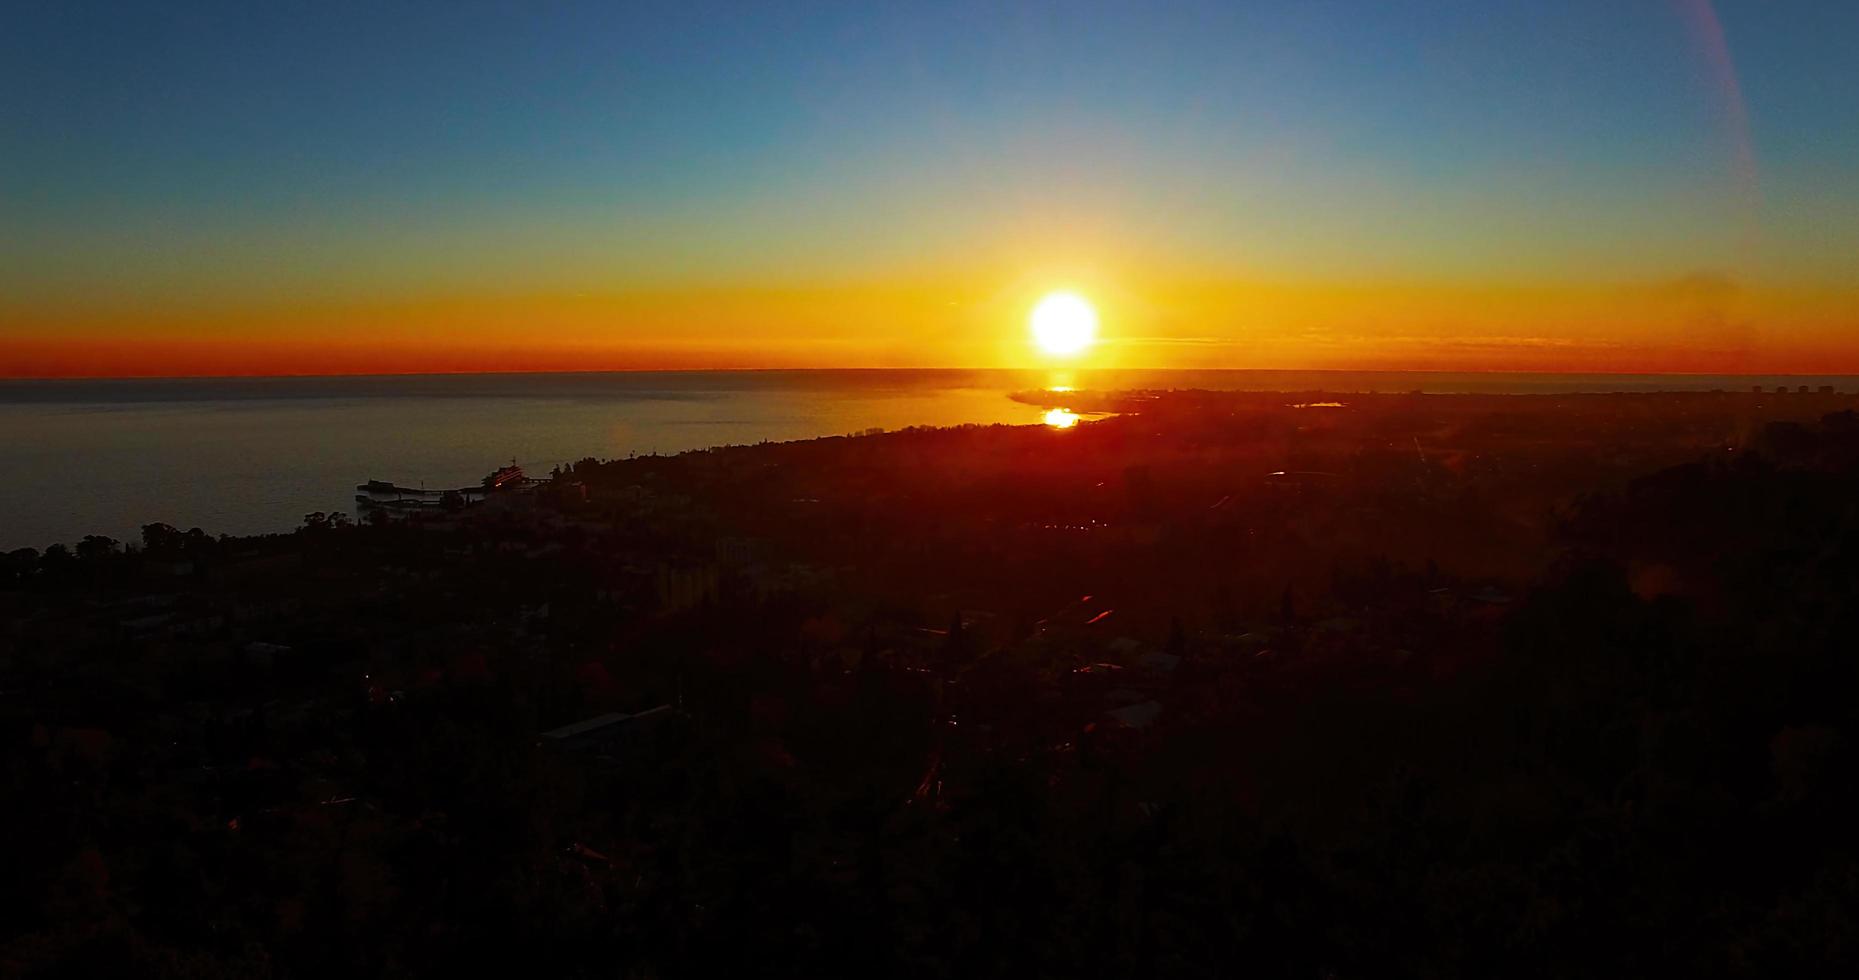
<point x="1064" y="324"/>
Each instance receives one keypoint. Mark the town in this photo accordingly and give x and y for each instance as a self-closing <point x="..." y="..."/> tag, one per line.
<point x="1313" y="683"/>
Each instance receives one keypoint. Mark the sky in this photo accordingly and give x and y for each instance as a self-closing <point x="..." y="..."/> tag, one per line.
<point x="311" y="188"/>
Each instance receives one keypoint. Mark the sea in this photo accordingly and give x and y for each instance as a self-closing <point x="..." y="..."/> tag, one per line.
<point x="254" y="455"/>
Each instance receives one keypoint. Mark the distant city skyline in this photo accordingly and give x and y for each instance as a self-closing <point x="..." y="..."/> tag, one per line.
<point x="215" y="188"/>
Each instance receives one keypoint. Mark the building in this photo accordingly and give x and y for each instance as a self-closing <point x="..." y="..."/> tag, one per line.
<point x="605" y="731"/>
<point x="686" y="588"/>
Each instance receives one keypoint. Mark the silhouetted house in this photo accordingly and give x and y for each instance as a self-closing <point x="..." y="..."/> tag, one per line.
<point x="735" y="551"/>
<point x="263" y="655"/>
<point x="603" y="732"/>
<point x="788" y="578"/>
<point x="505" y="477"/>
<point x="1123" y="697"/>
<point x="255" y="609"/>
<point x="1136" y="716"/>
<point x="1826" y="389"/>
<point x="1159" y="665"/>
<point x="148" y="625"/>
<point x="1490" y="595"/>
<point x="686" y="588"/>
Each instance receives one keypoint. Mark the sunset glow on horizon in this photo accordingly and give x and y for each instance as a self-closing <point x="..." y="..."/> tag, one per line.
<point x="1553" y="187"/>
<point x="1061" y="418"/>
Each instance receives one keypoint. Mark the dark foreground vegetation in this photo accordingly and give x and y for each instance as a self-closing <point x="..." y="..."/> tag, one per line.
<point x="1231" y="685"/>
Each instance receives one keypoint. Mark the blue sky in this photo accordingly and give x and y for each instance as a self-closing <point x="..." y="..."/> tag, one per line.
<point x="181" y="152"/>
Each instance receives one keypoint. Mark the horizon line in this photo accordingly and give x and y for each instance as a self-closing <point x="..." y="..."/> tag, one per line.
<point x="1507" y="372"/>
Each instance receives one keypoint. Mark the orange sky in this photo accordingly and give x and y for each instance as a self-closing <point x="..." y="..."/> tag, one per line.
<point x="1576" y="186"/>
<point x="1698" y="324"/>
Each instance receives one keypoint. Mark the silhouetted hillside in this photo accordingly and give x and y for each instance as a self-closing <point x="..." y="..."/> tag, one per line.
<point x="1412" y="686"/>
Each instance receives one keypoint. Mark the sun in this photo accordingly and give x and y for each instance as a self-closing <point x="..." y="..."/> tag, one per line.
<point x="1064" y="324"/>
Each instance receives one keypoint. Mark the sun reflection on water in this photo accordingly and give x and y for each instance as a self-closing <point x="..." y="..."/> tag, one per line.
<point x="1061" y="418"/>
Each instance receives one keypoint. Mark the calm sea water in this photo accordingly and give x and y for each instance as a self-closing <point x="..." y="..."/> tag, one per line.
<point x="252" y="455"/>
